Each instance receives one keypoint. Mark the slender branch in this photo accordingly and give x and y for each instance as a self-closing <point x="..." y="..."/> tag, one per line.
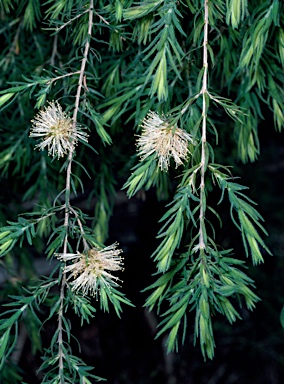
<point x="14" y="46"/>
<point x="83" y="64"/>
<point x="204" y="92"/>
<point x="9" y="25"/>
<point x="188" y="103"/>
<point x="86" y="246"/>
<point x="61" y="77"/>
<point x="102" y="18"/>
<point x="68" y="207"/>
<point x="71" y="20"/>
<point x="107" y="23"/>
<point x="54" y="50"/>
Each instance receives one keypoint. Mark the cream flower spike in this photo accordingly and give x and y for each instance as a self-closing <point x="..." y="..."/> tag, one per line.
<point x="56" y="130"/>
<point x="90" y="270"/>
<point x="166" y="141"/>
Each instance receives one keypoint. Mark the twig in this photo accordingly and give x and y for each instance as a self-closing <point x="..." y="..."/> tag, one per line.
<point x="102" y="18"/>
<point x="67" y="192"/>
<point x="54" y="50"/>
<point x="107" y="23"/>
<point x="71" y="20"/>
<point x="204" y="91"/>
<point x="14" y="46"/>
<point x="9" y="25"/>
<point x="191" y="100"/>
<point x="86" y="247"/>
<point x="61" y="77"/>
<point x="83" y="64"/>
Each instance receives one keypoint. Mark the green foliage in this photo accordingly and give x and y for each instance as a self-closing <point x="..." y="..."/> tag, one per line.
<point x="176" y="219"/>
<point x="56" y="226"/>
<point x="23" y="228"/>
<point x="165" y="45"/>
<point x="247" y="214"/>
<point x="199" y="279"/>
<point x="26" y="307"/>
<point x="145" y="176"/>
<point x="211" y="67"/>
<point x="213" y="281"/>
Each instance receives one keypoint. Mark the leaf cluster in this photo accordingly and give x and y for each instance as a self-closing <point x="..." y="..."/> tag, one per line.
<point x="206" y="286"/>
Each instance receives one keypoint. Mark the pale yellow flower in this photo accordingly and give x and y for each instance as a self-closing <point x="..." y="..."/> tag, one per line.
<point x="165" y="141"/>
<point x="56" y="130"/>
<point x="89" y="271"/>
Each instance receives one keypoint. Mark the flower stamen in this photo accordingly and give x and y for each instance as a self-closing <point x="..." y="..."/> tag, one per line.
<point x="56" y="130"/>
<point x="165" y="141"/>
<point x="90" y="270"/>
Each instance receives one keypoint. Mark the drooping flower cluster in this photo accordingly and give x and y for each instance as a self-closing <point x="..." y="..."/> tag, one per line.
<point x="56" y="130"/>
<point x="164" y="140"/>
<point x="89" y="271"/>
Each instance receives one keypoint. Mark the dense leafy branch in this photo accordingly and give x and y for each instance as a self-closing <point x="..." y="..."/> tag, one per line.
<point x="199" y="279"/>
<point x="185" y="74"/>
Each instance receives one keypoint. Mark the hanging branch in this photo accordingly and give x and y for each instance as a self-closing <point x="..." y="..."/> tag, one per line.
<point x="203" y="278"/>
<point x="67" y="192"/>
<point x="204" y="160"/>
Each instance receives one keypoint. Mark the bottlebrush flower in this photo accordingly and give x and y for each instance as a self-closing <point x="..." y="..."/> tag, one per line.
<point x="91" y="270"/>
<point x="164" y="140"/>
<point x="56" y="130"/>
